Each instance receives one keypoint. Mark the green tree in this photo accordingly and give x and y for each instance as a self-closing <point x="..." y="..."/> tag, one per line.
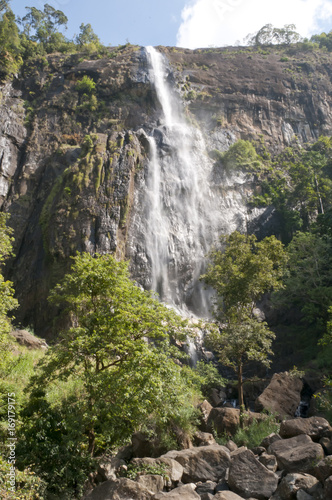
<point x="7" y="300"/>
<point x="119" y="347"/>
<point x="87" y="36"/>
<point x="241" y="155"/>
<point x="268" y="35"/>
<point x="240" y="275"/>
<point x="10" y="49"/>
<point x="308" y="281"/>
<point x="43" y="26"/>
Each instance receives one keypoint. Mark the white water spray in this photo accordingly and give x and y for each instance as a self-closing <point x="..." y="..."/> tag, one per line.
<point x="180" y="209"/>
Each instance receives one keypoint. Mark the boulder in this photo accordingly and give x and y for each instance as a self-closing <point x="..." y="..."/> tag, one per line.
<point x="207" y="487"/>
<point x="297" y="454"/>
<point x="328" y="487"/>
<point x="205" y="463"/>
<point x="152" y="482"/>
<point x="121" y="489"/>
<point x="323" y="469"/>
<point x="224" y="420"/>
<point x="25" y="338"/>
<point x="302" y="495"/>
<point x="269" y="461"/>
<point x="174" y="469"/>
<point x="326" y="442"/>
<point x="315" y="427"/>
<point x="203" y="439"/>
<point x="249" y="478"/>
<point x="231" y="445"/>
<point x="282" y="396"/>
<point x="271" y="438"/>
<point x="108" y="468"/>
<point x="258" y="450"/>
<point x="205" y="410"/>
<point x="292" y="483"/>
<point x="186" y="492"/>
<point x="142" y="445"/>
<point x="227" y="495"/>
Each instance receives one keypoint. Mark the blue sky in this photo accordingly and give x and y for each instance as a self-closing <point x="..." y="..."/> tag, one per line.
<point x="186" y="23"/>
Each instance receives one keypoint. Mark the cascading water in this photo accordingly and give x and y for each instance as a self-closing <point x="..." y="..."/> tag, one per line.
<point x="180" y="210"/>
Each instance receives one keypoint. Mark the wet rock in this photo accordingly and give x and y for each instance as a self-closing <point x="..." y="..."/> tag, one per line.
<point x="297" y="454"/>
<point x="205" y="463"/>
<point x="282" y="396"/>
<point x="249" y="478"/>
<point x="315" y="427"/>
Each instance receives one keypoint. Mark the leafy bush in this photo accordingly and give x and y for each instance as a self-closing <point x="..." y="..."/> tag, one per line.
<point x="241" y="156"/>
<point x="85" y="86"/>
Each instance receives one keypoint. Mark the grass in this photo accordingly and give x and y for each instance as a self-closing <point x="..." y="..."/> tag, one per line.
<point x="253" y="434"/>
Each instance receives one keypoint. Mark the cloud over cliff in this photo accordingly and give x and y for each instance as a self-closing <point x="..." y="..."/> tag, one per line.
<point x="224" y="22"/>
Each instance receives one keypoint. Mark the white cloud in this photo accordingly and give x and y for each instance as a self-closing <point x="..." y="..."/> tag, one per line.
<point x="223" y="22"/>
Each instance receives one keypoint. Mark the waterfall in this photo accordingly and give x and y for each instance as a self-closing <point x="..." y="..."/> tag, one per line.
<point x="181" y="210"/>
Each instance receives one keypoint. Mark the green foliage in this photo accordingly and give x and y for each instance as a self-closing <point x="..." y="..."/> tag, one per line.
<point x="243" y="273"/>
<point x="308" y="280"/>
<point x="324" y="399"/>
<point x="85" y="86"/>
<point x="298" y="182"/>
<point x="251" y="435"/>
<point x="87" y="38"/>
<point x="7" y="301"/>
<point x="268" y="35"/>
<point x="134" y="470"/>
<point x="240" y="275"/>
<point x="241" y="156"/>
<point x="10" y="48"/>
<point x="119" y="347"/>
<point x="324" y="40"/>
<point x="42" y="27"/>
<point x="28" y="486"/>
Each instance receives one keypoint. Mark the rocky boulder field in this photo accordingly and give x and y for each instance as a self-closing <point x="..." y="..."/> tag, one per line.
<point x="294" y="464"/>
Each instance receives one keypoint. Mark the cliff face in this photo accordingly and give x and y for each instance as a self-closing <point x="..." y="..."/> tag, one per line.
<point x="67" y="192"/>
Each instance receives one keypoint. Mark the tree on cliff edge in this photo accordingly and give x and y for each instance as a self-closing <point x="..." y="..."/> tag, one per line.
<point x="240" y="275"/>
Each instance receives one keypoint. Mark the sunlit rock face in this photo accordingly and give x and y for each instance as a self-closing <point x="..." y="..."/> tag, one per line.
<point x="147" y="189"/>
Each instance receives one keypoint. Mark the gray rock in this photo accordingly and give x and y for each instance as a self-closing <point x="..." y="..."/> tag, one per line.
<point x="297" y="454"/>
<point x="224" y="420"/>
<point x="227" y="495"/>
<point x="282" y="396"/>
<point x="249" y="478"/>
<point x="271" y="438"/>
<point x="231" y="445"/>
<point x="203" y="439"/>
<point x="328" y="488"/>
<point x="327" y="445"/>
<point x="108" y="468"/>
<point x="292" y="483"/>
<point x="269" y="461"/>
<point x="121" y="489"/>
<point x="315" y="427"/>
<point x="302" y="495"/>
<point x="186" y="492"/>
<point x="205" y="463"/>
<point x="152" y="482"/>
<point x="323" y="469"/>
<point x="207" y="487"/>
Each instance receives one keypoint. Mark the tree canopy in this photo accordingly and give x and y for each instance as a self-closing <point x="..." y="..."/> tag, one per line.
<point x="240" y="274"/>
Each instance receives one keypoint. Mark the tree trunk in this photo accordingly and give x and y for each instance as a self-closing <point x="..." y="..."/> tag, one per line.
<point x="240" y="386"/>
<point x="91" y="442"/>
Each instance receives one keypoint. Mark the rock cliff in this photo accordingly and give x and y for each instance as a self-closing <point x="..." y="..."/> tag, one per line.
<point x="74" y="163"/>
